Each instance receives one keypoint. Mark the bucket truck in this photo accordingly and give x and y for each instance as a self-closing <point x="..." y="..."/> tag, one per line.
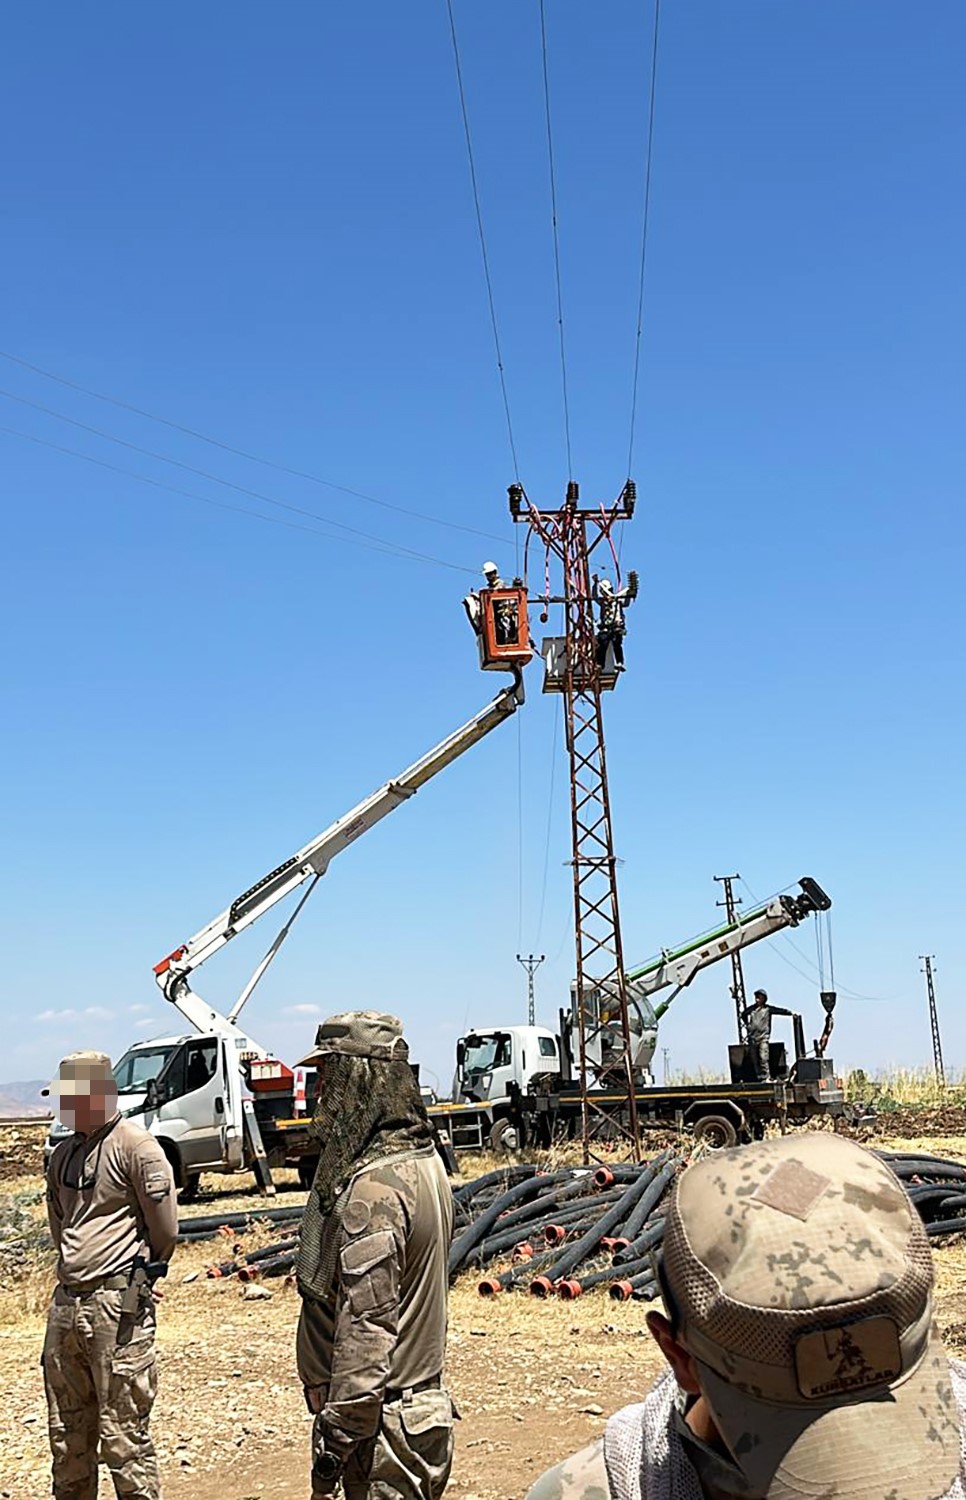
<point x="217" y="1099"/>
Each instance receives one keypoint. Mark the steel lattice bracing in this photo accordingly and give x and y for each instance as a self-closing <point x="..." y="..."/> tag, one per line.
<point x="937" y="1046"/>
<point x="601" y="983"/>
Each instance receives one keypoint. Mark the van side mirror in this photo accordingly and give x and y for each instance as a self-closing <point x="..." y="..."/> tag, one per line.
<point x="151" y="1096"/>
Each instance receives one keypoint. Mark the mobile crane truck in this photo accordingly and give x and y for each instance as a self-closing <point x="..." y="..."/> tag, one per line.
<point x="514" y="1084"/>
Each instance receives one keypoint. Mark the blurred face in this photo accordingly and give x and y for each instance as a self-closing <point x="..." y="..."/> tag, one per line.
<point x="88" y="1110"/>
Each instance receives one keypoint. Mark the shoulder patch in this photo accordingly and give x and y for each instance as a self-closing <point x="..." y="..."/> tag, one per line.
<point x="356" y="1216"/>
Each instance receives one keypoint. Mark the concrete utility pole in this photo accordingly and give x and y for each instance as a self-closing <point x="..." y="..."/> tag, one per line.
<point x="737" y="972"/>
<point x="571" y="532"/>
<point x="531" y="965"/>
<point x="937" y="1047"/>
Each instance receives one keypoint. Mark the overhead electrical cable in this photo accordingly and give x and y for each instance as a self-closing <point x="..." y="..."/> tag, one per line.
<point x="546" y="848"/>
<point x="388" y="549"/>
<point x="556" y="237"/>
<point x="646" y="219"/>
<point x="255" y="458"/>
<point x="483" y="250"/>
<point x="229" y="484"/>
<point x="844" y="989"/>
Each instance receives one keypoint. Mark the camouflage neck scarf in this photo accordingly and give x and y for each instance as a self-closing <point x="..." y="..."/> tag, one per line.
<point x="367" y="1110"/>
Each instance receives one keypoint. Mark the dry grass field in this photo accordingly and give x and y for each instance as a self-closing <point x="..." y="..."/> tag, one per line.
<point x="532" y="1379"/>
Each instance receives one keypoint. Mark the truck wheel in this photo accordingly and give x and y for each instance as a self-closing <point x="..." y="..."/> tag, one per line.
<point x="506" y="1135"/>
<point x="716" y="1132"/>
<point x="191" y="1189"/>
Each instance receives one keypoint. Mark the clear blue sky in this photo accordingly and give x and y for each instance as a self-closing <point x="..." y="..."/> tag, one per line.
<point x="258" y="223"/>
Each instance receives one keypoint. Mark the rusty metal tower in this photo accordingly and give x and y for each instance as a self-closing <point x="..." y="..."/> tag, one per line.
<point x="572" y="534"/>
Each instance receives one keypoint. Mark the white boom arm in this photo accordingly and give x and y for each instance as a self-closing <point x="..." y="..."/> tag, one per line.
<point x="678" y="968"/>
<point x="311" y="862"/>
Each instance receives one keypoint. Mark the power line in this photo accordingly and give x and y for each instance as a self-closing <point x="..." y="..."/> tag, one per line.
<point x="228" y="484"/>
<point x="546" y="847"/>
<point x="647" y="209"/>
<point x="387" y="549"/>
<point x="255" y="458"/>
<point x="556" y="237"/>
<point x="483" y="251"/>
<point x="843" y="988"/>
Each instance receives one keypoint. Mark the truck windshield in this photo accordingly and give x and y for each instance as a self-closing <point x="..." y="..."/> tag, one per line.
<point x="136" y="1068"/>
<point x="484" y="1053"/>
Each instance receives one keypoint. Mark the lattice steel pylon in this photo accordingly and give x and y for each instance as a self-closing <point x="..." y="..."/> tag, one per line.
<point x="937" y="1046"/>
<point x="601" y="986"/>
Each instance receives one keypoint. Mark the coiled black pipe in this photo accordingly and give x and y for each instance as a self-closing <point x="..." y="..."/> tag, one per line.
<point x="507" y="1235"/>
<point x="471" y="1236"/>
<point x="513" y="1172"/>
<point x="579" y="1249"/>
<point x="214" y="1222"/>
<point x="648" y="1203"/>
<point x="229" y="1267"/>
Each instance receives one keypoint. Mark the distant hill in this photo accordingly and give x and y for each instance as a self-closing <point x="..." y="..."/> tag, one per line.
<point x="23" y="1099"/>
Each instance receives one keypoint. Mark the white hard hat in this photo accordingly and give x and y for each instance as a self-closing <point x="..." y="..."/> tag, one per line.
<point x="605" y="586"/>
<point x="490" y="567"/>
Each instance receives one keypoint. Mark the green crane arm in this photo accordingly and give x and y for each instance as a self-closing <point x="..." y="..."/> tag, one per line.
<point x="678" y="967"/>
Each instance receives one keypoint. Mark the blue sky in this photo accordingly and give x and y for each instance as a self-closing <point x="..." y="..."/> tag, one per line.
<point x="259" y="226"/>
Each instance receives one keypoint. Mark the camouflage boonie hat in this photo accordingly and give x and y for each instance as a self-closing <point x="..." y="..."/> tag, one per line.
<point x="359" y="1033"/>
<point x="77" y="1072"/>
<point x="801" y="1280"/>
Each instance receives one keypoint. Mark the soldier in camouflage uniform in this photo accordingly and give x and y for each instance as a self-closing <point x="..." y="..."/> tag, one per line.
<point x="110" y="1201"/>
<point x="372" y="1273"/>
<point x="804" y="1359"/>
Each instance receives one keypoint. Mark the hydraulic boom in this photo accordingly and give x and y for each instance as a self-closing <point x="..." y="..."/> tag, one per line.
<point x="309" y="863"/>
<point x="676" y="969"/>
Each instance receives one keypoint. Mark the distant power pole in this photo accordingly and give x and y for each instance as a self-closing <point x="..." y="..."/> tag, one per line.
<point x="667" y="1071"/>
<point x="531" y="964"/>
<point x="937" y="1046"/>
<point x="737" y="973"/>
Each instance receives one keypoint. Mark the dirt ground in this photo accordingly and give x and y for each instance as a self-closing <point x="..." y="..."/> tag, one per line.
<point x="533" y="1380"/>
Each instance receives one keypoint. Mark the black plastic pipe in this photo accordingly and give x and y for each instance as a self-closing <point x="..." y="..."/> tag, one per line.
<point x="580" y="1249"/>
<point x="461" y="1247"/>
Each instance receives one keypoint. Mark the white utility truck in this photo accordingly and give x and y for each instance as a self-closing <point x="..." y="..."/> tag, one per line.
<point x="217" y="1100"/>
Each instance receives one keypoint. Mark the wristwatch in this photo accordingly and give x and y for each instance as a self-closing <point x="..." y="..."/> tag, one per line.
<point x="326" y="1465"/>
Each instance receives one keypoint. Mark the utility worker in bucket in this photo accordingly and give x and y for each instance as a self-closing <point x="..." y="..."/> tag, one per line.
<point x="472" y="603"/>
<point x="804" y="1360"/>
<point x="112" y="1211"/>
<point x="372" y="1272"/>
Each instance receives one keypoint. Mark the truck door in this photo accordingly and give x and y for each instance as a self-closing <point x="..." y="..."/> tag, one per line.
<point x="191" y="1103"/>
<point x="505" y="1066"/>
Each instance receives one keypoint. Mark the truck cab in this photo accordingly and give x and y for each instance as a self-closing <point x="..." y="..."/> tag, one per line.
<point x="178" y="1088"/>
<point x="488" y="1062"/>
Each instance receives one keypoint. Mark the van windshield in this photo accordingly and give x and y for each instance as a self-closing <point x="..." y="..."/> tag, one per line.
<point x="136" y="1068"/>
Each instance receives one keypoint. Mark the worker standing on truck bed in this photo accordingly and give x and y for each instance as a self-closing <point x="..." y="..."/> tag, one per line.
<point x="804" y="1358"/>
<point x="757" y="1019"/>
<point x="114" y="1222"/>
<point x="372" y="1272"/>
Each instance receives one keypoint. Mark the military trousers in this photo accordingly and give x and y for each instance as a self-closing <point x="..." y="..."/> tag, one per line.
<point x="410" y="1456"/>
<point x="99" y="1394"/>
